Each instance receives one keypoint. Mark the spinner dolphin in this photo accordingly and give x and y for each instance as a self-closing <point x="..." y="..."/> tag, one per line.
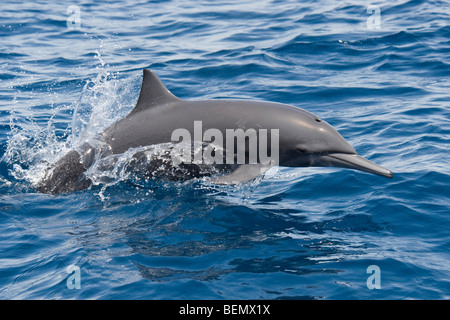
<point x="303" y="139"/>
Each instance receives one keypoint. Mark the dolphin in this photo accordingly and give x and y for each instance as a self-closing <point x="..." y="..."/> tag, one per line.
<point x="303" y="139"/>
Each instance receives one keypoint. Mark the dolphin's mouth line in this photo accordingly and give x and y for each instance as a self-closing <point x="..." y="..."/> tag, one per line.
<point x="354" y="161"/>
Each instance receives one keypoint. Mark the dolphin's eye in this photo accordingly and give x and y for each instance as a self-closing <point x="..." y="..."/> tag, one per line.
<point x="301" y="150"/>
<point x="318" y="120"/>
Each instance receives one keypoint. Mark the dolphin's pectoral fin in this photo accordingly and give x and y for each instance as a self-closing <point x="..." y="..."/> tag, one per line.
<point x="244" y="173"/>
<point x="153" y="93"/>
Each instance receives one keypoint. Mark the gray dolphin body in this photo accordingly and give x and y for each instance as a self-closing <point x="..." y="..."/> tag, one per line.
<point x="304" y="139"/>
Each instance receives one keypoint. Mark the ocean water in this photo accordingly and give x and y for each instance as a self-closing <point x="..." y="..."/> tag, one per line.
<point x="378" y="71"/>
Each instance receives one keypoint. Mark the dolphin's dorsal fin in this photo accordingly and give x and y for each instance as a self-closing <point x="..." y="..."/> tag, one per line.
<point x="153" y="93"/>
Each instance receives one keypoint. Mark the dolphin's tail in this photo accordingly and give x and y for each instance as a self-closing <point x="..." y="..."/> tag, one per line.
<point x="67" y="175"/>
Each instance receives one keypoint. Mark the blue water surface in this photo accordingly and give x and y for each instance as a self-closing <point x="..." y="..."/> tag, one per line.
<point x="376" y="71"/>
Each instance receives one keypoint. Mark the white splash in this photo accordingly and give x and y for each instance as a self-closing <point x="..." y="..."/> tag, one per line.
<point x="104" y="99"/>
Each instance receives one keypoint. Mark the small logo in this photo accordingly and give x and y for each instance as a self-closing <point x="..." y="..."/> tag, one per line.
<point x="74" y="20"/>
<point x="239" y="147"/>
<point x="373" y="281"/>
<point x="74" y="280"/>
<point x="374" y="21"/>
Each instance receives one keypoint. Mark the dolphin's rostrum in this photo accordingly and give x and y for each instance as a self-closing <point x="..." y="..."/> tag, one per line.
<point x="304" y="139"/>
